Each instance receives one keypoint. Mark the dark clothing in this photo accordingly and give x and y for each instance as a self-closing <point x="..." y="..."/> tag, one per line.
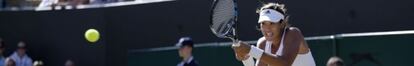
<point x="190" y="62"/>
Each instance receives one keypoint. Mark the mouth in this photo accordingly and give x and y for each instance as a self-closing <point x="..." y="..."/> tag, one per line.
<point x="269" y="34"/>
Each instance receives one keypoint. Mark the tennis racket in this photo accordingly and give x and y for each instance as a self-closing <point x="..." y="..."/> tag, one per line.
<point x="224" y="19"/>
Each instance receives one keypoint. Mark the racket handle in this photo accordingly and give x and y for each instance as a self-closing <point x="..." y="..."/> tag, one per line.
<point x="236" y="43"/>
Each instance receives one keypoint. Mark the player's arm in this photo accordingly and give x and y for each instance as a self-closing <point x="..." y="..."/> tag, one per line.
<point x="266" y="58"/>
<point x="293" y="38"/>
<point x="261" y="44"/>
<point x="290" y="50"/>
<point x="247" y="60"/>
<point x="303" y="48"/>
<point x="261" y="64"/>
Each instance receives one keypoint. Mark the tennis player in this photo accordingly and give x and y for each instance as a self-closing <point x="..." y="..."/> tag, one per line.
<point x="281" y="44"/>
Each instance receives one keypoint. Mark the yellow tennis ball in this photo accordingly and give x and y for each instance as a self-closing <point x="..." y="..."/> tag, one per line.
<point x="92" y="35"/>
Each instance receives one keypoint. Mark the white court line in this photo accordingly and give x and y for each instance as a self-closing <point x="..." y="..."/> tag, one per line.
<point x="215" y="44"/>
<point x="377" y="33"/>
<point x="105" y="5"/>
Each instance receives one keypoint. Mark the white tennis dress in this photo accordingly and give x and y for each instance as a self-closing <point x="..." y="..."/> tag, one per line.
<point x="300" y="60"/>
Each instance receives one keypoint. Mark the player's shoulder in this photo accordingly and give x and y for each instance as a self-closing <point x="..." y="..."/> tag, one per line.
<point x="260" y="41"/>
<point x="293" y="30"/>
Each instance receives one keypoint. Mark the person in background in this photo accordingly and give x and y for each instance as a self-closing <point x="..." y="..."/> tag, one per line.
<point x="47" y="3"/>
<point x="9" y="62"/>
<point x="185" y="52"/>
<point x="44" y="4"/>
<point x="335" y="61"/>
<point x="38" y="63"/>
<point x="78" y="2"/>
<point x="69" y="63"/>
<point x="20" y="57"/>
<point x="1" y="4"/>
<point x="2" y="58"/>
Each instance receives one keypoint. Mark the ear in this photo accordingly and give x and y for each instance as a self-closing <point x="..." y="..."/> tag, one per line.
<point x="285" y="22"/>
<point x="286" y="19"/>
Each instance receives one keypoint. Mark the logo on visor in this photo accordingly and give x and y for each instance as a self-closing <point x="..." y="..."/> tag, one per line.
<point x="267" y="12"/>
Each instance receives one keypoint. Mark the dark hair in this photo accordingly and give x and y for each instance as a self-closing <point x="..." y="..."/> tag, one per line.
<point x="275" y="6"/>
<point x="278" y="7"/>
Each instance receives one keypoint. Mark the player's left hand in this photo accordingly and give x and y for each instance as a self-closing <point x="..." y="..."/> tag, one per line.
<point x="241" y="49"/>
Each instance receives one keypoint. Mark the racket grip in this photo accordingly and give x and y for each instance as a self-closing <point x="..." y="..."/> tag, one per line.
<point x="236" y="43"/>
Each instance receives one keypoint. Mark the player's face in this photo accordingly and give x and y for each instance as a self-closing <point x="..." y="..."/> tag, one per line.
<point x="270" y="30"/>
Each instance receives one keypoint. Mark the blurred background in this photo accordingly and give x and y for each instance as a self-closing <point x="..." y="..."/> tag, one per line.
<point x="144" y="32"/>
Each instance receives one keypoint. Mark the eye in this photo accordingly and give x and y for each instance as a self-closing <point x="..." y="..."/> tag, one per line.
<point x="271" y="23"/>
<point x="262" y="23"/>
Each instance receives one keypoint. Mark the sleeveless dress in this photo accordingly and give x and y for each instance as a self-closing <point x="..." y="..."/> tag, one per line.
<point x="300" y="60"/>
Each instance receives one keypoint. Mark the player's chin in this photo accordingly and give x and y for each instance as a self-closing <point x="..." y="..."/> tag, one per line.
<point x="268" y="38"/>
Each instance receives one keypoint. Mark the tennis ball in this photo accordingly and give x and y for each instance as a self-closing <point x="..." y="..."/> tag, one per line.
<point x="92" y="35"/>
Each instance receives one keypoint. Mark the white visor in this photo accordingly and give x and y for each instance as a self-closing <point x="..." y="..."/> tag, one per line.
<point x="270" y="15"/>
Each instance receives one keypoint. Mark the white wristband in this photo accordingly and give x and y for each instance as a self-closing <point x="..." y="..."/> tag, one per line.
<point x="248" y="62"/>
<point x="255" y="52"/>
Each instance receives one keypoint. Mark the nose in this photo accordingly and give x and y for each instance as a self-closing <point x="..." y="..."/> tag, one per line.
<point x="265" y="29"/>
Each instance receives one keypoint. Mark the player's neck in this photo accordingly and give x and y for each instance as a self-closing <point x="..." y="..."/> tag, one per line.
<point x="277" y="40"/>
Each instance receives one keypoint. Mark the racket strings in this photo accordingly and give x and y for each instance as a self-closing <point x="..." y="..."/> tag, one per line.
<point x="224" y="18"/>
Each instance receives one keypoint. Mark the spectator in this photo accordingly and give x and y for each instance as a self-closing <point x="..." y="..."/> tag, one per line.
<point x="20" y="56"/>
<point x="10" y="62"/>
<point x="47" y="3"/>
<point x="38" y="63"/>
<point x="185" y="52"/>
<point x="69" y="63"/>
<point x="335" y="61"/>
<point x="2" y="58"/>
<point x="1" y="4"/>
<point x="78" y="2"/>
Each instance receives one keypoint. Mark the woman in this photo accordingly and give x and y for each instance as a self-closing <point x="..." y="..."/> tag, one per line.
<point x="281" y="44"/>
